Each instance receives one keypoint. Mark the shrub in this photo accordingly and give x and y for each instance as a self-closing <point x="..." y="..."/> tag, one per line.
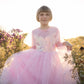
<point x="11" y="43"/>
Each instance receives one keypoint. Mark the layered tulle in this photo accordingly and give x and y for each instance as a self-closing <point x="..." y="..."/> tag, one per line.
<point x="37" y="67"/>
<point x="33" y="67"/>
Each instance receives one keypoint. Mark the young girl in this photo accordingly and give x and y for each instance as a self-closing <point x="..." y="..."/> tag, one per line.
<point x="41" y="63"/>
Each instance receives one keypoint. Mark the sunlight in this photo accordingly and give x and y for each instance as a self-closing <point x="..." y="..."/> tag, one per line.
<point x="68" y="16"/>
<point x="28" y="40"/>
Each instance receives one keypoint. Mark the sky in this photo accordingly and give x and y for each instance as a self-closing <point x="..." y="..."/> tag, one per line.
<point x="68" y="16"/>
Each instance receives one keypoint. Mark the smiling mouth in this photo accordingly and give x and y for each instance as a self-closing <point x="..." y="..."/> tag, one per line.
<point x="44" y="20"/>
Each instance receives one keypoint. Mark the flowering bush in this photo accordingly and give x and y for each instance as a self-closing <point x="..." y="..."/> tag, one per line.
<point x="11" y="43"/>
<point x="2" y="56"/>
<point x="78" y="56"/>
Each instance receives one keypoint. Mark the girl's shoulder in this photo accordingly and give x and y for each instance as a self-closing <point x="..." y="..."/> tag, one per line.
<point x="54" y="29"/>
<point x="35" y="30"/>
<point x="51" y="28"/>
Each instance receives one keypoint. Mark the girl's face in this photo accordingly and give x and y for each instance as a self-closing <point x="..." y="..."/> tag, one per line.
<point x="44" y="18"/>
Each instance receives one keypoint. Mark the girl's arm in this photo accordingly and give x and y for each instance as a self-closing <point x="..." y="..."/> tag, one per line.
<point x="59" y="43"/>
<point x="33" y="41"/>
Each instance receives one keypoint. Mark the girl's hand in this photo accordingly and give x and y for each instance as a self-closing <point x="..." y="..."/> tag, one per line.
<point x="68" y="45"/>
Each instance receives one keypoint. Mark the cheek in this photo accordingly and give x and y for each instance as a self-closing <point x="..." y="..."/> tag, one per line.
<point x="39" y="18"/>
<point x="49" y="18"/>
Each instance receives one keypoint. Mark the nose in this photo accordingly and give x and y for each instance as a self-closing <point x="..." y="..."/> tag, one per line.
<point x="44" y="16"/>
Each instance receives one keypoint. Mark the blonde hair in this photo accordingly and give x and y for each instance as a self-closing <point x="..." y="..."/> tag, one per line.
<point x="43" y="9"/>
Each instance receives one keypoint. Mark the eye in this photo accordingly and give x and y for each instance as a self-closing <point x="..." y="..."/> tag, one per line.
<point x="47" y="14"/>
<point x="41" y="14"/>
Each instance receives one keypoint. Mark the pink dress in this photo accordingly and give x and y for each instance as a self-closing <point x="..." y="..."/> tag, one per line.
<point x="39" y="65"/>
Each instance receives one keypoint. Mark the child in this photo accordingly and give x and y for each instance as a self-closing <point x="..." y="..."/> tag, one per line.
<point x="41" y="63"/>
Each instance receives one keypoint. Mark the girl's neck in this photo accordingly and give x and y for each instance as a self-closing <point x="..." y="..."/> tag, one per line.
<point x="44" y="26"/>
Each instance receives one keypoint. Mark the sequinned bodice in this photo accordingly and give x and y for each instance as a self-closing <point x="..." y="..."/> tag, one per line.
<point x="45" y="39"/>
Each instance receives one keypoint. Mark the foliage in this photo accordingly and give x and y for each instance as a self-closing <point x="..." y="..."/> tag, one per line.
<point x="78" y="55"/>
<point x="11" y="43"/>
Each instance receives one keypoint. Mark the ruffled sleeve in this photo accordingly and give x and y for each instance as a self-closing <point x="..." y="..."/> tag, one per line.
<point x="58" y="41"/>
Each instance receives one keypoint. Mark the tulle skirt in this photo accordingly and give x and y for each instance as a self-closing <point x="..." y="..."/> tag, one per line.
<point x="36" y="67"/>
